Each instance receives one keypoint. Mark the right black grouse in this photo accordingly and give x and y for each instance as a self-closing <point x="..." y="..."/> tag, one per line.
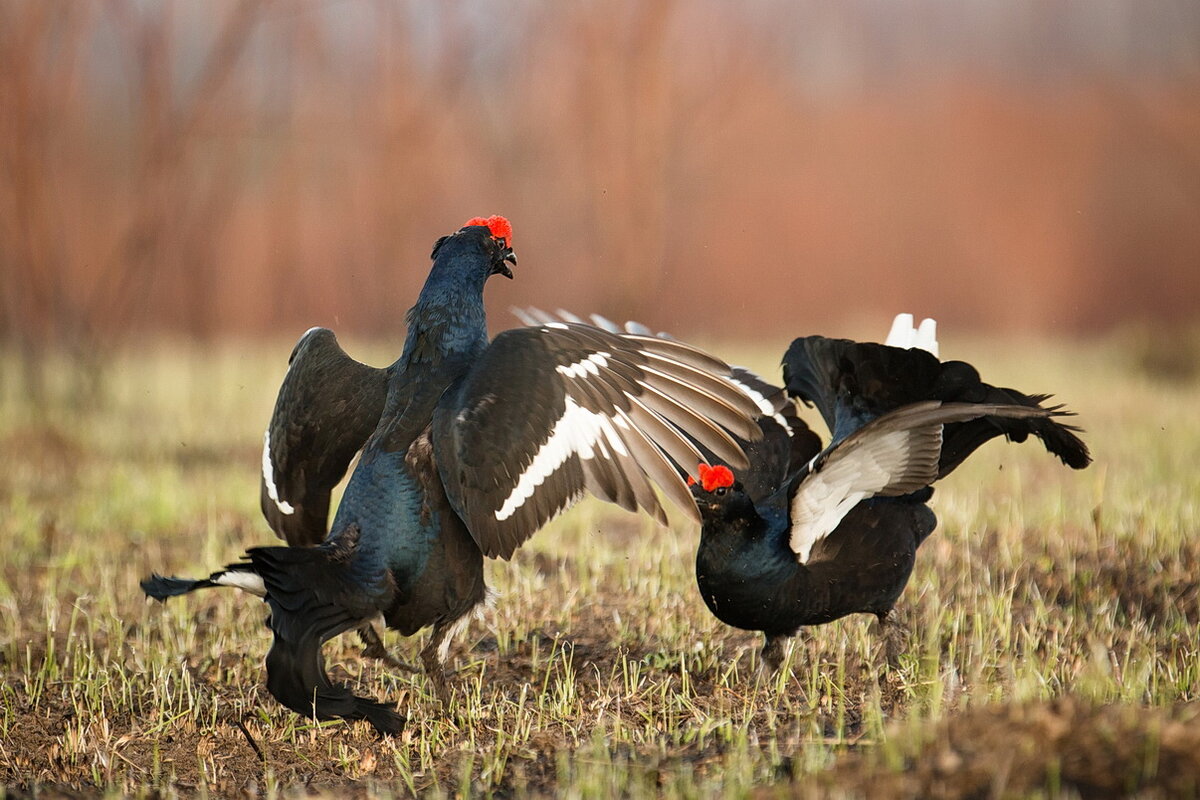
<point x="807" y="535"/>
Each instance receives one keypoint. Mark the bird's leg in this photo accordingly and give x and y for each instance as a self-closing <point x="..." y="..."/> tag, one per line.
<point x="373" y="648"/>
<point x="773" y="652"/>
<point x="895" y="637"/>
<point x="433" y="658"/>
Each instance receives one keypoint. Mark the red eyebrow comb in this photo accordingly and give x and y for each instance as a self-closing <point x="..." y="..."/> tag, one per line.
<point x="712" y="477"/>
<point x="500" y="227"/>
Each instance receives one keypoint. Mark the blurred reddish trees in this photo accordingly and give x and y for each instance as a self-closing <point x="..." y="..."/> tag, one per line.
<point x="248" y="166"/>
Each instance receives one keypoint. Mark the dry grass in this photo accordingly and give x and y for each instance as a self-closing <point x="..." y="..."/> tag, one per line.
<point x="1053" y="616"/>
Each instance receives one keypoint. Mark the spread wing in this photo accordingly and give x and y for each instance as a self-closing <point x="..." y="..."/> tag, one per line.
<point x="893" y="455"/>
<point x="328" y="405"/>
<point x="786" y="442"/>
<point x="550" y="411"/>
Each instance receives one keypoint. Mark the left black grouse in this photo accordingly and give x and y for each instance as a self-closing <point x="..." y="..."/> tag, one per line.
<point x="467" y="448"/>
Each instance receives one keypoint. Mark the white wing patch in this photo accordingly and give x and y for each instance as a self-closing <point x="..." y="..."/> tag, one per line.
<point x="904" y="334"/>
<point x="268" y="473"/>
<point x="588" y="366"/>
<point x="579" y="432"/>
<point x="893" y="455"/>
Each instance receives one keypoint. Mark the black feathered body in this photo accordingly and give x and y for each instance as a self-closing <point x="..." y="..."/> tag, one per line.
<point x="466" y="449"/>
<point x="749" y="577"/>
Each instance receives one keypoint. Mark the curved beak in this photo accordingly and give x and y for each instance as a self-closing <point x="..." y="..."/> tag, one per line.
<point x="509" y="258"/>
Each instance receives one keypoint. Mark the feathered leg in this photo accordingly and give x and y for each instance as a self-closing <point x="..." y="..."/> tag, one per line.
<point x="433" y="656"/>
<point x="773" y="651"/>
<point x="894" y="634"/>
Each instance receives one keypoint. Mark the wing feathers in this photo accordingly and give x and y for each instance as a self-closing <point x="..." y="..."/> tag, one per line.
<point x="327" y="407"/>
<point x="680" y="352"/>
<point x="550" y="411"/>
<point x="732" y="406"/>
<point x="700" y="427"/>
<point x="893" y="455"/>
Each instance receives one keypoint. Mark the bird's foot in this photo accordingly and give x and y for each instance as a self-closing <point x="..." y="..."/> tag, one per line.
<point x="373" y="648"/>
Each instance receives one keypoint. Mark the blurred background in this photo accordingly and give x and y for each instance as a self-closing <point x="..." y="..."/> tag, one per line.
<point x="242" y="168"/>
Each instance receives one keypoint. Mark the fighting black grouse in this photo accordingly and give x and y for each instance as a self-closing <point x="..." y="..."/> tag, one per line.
<point x="808" y="535"/>
<point x="467" y="448"/>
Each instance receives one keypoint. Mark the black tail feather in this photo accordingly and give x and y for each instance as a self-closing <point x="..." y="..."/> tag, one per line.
<point x="241" y="575"/>
<point x="852" y="383"/>
<point x="161" y="587"/>
<point x="315" y="593"/>
<point x="296" y="678"/>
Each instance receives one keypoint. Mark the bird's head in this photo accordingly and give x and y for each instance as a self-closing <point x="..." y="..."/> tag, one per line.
<point x="489" y="237"/>
<point x="718" y="495"/>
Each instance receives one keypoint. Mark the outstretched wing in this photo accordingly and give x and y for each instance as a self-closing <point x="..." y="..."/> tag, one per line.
<point x="893" y="455"/>
<point x="535" y="316"/>
<point x="328" y="406"/>
<point x="786" y="442"/>
<point x="550" y="411"/>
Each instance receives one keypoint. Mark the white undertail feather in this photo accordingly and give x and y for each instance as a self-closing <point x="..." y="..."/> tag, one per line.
<point x="268" y="473"/>
<point x="250" y="582"/>
<point x="927" y="337"/>
<point x="904" y="334"/>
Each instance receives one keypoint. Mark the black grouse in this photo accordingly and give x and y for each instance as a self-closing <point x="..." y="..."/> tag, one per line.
<point x="808" y="535"/>
<point x="467" y="448"/>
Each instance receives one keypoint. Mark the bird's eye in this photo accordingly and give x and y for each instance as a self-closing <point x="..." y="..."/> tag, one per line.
<point x="720" y="491"/>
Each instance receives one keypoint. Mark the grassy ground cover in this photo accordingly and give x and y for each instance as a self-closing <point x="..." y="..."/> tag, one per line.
<point x="1053" y="644"/>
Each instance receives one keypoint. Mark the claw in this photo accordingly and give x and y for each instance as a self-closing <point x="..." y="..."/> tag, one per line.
<point x="373" y="648"/>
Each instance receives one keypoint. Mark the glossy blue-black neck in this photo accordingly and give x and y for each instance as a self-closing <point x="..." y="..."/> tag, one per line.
<point x="448" y="319"/>
<point x="736" y="536"/>
<point x="745" y="571"/>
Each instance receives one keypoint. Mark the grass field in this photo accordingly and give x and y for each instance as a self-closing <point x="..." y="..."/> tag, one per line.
<point x="1053" y="646"/>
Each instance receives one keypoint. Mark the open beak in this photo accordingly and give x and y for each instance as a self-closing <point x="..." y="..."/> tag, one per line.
<point x="509" y="258"/>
